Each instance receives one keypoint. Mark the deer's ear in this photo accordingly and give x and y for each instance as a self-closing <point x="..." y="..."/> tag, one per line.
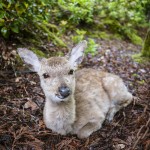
<point x="29" y="58"/>
<point x="77" y="54"/>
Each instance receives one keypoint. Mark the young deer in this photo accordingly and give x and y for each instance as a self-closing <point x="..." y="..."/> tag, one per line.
<point x="76" y="102"/>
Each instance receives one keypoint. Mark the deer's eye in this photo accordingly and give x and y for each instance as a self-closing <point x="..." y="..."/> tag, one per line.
<point x="45" y="75"/>
<point x="71" y="72"/>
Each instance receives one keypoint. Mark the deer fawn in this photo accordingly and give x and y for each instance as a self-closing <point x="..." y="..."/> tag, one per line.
<point x="77" y="102"/>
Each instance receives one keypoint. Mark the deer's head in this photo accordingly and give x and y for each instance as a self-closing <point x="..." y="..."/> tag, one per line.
<point x="56" y="73"/>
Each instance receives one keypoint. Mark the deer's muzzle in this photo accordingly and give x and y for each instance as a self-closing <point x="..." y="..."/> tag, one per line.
<point x="64" y="92"/>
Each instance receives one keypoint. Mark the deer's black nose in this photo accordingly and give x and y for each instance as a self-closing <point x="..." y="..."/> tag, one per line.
<point x="64" y="91"/>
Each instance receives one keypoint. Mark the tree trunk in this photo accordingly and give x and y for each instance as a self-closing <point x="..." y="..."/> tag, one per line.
<point x="146" y="46"/>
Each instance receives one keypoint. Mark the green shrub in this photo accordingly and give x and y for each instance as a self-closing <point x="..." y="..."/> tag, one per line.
<point x="49" y="19"/>
<point x="91" y="47"/>
<point x="16" y="16"/>
<point x="123" y="17"/>
<point x="80" y="35"/>
<point x="78" y="10"/>
<point x="118" y="16"/>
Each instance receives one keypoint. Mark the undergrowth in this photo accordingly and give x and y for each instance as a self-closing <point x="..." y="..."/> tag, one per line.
<point x="35" y="21"/>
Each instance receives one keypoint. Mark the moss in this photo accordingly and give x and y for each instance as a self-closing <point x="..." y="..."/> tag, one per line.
<point x="104" y="35"/>
<point x="35" y="42"/>
<point x="98" y="34"/>
<point x="116" y="36"/>
<point x="135" y="75"/>
<point x="18" y="60"/>
<point x="50" y="35"/>
<point x="142" y="82"/>
<point x="139" y="58"/>
<point x="59" y="53"/>
<point x="136" y="39"/>
<point x="52" y="26"/>
<point x="146" y="46"/>
<point x="38" y="52"/>
<point x="132" y="35"/>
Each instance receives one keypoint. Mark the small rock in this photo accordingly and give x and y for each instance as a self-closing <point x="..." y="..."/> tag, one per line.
<point x="32" y="83"/>
<point x="14" y="52"/>
<point x="18" y="79"/>
<point x="119" y="146"/>
<point x="142" y="70"/>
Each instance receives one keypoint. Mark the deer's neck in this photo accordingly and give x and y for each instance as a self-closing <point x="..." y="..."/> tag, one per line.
<point x="63" y="109"/>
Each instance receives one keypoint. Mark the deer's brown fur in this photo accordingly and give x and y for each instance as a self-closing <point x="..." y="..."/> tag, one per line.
<point x="93" y="95"/>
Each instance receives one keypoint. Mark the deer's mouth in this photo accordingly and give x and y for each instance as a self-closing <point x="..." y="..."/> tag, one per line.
<point x="62" y="96"/>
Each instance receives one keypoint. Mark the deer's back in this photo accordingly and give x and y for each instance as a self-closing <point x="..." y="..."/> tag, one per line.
<point x="90" y="81"/>
<point x="96" y="90"/>
<point x="90" y="95"/>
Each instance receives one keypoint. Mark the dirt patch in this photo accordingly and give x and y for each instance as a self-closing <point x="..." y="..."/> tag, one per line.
<point x="22" y="101"/>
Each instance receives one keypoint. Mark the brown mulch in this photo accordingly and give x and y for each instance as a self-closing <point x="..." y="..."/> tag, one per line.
<point x="22" y="101"/>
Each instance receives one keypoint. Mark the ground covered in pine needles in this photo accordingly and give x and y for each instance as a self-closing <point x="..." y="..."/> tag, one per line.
<point x="22" y="101"/>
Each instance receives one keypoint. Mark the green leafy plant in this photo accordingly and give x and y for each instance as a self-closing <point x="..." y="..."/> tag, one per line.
<point x="91" y="47"/>
<point x="44" y="19"/>
<point x="19" y="15"/>
<point x="28" y="17"/>
<point x="79" y="10"/>
<point x="123" y="17"/>
<point x="80" y="34"/>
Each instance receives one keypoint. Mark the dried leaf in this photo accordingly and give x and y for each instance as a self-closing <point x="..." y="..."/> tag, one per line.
<point x="30" y="104"/>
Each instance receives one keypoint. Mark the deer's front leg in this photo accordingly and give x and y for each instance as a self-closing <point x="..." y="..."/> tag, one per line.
<point x="90" y="127"/>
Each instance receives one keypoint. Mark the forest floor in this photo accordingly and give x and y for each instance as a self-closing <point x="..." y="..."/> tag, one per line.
<point x="22" y="101"/>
